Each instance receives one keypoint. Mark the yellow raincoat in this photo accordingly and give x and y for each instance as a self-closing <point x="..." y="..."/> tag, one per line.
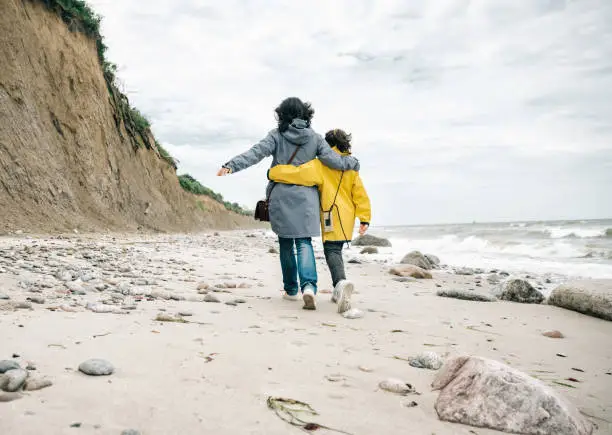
<point x="352" y="200"/>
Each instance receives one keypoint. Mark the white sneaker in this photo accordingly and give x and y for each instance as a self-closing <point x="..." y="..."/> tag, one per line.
<point x="335" y="297"/>
<point x="309" y="298"/>
<point x="289" y="297"/>
<point x="345" y="291"/>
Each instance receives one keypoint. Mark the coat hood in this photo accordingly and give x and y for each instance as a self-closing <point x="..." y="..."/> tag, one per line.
<point x="298" y="132"/>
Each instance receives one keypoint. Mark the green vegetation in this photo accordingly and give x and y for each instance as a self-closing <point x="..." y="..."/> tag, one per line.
<point x="192" y="185"/>
<point x="79" y="17"/>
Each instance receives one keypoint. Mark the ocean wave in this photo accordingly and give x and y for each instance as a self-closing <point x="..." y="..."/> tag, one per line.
<point x="577" y="233"/>
<point x="454" y="244"/>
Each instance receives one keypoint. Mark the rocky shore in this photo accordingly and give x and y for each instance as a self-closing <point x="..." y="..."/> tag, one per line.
<point x="158" y="334"/>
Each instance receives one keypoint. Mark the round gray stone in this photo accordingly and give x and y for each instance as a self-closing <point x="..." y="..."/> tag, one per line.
<point x="16" y="378"/>
<point x="96" y="367"/>
<point x="6" y="365"/>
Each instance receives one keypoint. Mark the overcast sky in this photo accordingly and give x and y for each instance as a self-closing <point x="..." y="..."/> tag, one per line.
<point x="460" y="110"/>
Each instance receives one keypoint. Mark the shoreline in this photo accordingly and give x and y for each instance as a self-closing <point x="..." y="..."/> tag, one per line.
<point x="215" y="375"/>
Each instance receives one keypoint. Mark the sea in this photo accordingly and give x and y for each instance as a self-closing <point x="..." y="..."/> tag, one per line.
<point x="558" y="250"/>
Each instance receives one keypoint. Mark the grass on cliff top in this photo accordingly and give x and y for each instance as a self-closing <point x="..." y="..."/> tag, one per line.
<point x="192" y="185"/>
<point x="80" y="17"/>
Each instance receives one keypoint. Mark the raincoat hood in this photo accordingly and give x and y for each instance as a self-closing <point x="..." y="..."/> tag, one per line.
<point x="298" y="132"/>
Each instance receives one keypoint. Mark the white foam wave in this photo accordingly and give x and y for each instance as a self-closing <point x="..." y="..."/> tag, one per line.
<point x="581" y="233"/>
<point x="544" y="256"/>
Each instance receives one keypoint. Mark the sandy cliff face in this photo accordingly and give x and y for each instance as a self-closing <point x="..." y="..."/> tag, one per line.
<point x="65" y="160"/>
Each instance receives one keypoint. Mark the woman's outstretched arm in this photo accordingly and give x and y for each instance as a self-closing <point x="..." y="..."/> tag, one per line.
<point x="256" y="154"/>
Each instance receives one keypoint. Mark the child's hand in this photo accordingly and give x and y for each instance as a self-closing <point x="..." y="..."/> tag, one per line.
<point x="363" y="228"/>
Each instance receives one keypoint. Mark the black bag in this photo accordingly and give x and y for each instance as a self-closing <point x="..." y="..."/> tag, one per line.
<point x="262" y="211"/>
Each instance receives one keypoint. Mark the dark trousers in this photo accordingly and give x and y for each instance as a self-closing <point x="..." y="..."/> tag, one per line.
<point x="333" y="256"/>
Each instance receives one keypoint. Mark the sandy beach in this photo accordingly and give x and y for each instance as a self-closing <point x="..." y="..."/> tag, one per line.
<point x="214" y="373"/>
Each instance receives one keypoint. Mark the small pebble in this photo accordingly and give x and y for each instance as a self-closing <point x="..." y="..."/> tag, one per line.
<point x="9" y="397"/>
<point x="185" y="313"/>
<point x="240" y="301"/>
<point x="6" y="365"/>
<point x="36" y="299"/>
<point x="553" y="334"/>
<point x="211" y="298"/>
<point x="130" y="432"/>
<point x="232" y="303"/>
<point x="37" y="384"/>
<point x="426" y="360"/>
<point x="14" y="379"/>
<point x="396" y="386"/>
<point x="96" y="367"/>
<point x="353" y="313"/>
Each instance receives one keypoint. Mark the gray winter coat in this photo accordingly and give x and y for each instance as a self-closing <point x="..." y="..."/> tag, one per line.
<point x="294" y="210"/>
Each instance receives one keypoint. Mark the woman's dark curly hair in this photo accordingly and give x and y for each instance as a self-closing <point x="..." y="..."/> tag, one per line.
<point x="339" y="139"/>
<point x="290" y="109"/>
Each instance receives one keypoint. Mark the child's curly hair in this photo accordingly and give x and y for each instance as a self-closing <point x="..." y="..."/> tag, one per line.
<point x="339" y="139"/>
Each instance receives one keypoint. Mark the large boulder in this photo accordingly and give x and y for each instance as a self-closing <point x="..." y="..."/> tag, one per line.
<point x="417" y="259"/>
<point x="519" y="290"/>
<point x="485" y="393"/>
<point x="591" y="297"/>
<point x="369" y="240"/>
<point x="434" y="260"/>
<point x="410" y="270"/>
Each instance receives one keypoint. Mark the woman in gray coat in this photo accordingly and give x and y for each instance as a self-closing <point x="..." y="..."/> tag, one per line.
<point x="294" y="210"/>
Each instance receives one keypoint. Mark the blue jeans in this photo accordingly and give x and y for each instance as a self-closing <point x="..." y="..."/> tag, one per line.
<point x="305" y="265"/>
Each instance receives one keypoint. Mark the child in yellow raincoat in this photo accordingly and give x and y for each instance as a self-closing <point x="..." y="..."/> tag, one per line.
<point x="343" y="198"/>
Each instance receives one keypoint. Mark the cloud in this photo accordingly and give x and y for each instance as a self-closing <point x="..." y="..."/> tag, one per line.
<point x="460" y="110"/>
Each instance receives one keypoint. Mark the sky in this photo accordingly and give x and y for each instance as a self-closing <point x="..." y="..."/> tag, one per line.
<point x="460" y="110"/>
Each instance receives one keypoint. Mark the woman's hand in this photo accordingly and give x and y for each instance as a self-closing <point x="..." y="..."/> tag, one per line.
<point x="224" y="171"/>
<point x="363" y="228"/>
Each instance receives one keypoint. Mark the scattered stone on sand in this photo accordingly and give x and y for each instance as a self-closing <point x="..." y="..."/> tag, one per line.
<point x="211" y="298"/>
<point x="132" y="431"/>
<point x="240" y="301"/>
<point x="353" y="313"/>
<point x="96" y="367"/>
<point x="369" y="250"/>
<point x="416" y="258"/>
<point x="434" y="260"/>
<point x="369" y="240"/>
<point x="468" y="295"/>
<point x="23" y="306"/>
<point x="465" y="271"/>
<point x="494" y="278"/>
<point x="410" y="270"/>
<point x="485" y="393"/>
<point x="272" y="251"/>
<point x="4" y="297"/>
<point x="13" y="380"/>
<point x="33" y="384"/>
<point x="36" y="299"/>
<point x="163" y="317"/>
<point x="519" y="290"/>
<point x="427" y="360"/>
<point x="553" y="334"/>
<point x="7" y="364"/>
<point x="9" y="397"/>
<point x="185" y="313"/>
<point x="405" y="279"/>
<point x="231" y="303"/>
<point x="590" y="297"/>
<point x="354" y="261"/>
<point x="396" y="386"/>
